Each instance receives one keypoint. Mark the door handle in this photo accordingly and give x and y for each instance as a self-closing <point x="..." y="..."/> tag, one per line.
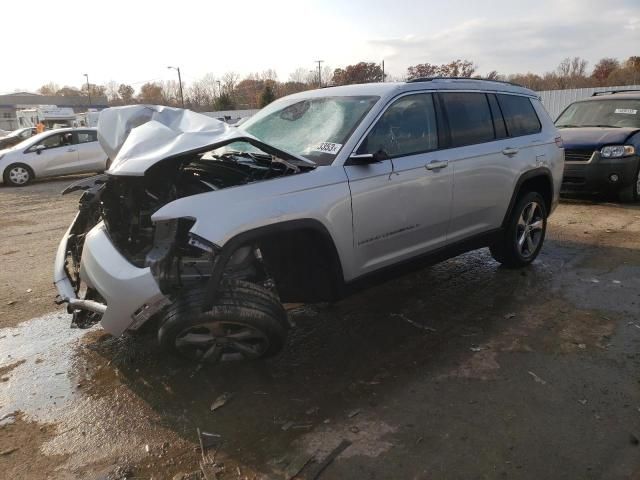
<point x="436" y="164"/>
<point x="510" y="152"/>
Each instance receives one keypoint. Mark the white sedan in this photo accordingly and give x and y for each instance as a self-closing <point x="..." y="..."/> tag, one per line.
<point x="57" y="152"/>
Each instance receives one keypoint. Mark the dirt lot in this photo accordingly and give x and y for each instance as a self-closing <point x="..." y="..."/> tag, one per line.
<point x="463" y="370"/>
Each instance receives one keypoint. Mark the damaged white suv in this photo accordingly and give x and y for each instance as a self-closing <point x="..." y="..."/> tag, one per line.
<point x="202" y="231"/>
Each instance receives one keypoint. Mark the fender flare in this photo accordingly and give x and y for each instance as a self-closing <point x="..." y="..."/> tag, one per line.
<point x="234" y="243"/>
<point x="528" y="175"/>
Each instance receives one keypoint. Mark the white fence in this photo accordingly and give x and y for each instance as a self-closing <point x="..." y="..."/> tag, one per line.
<point x="555" y="101"/>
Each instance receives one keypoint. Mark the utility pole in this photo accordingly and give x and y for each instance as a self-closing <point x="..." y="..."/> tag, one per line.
<point x="319" y="62"/>
<point x="88" y="89"/>
<point x="382" y="70"/>
<point x="179" y="83"/>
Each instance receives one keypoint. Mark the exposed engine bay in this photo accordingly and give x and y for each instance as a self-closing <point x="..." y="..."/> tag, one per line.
<point x="176" y="257"/>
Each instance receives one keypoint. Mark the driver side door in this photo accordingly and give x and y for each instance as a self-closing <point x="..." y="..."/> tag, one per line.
<point x="57" y="155"/>
<point x="401" y="204"/>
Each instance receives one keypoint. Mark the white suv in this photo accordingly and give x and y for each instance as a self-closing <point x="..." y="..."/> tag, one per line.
<point x="201" y="230"/>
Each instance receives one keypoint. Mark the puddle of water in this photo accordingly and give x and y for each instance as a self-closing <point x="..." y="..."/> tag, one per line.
<point x="40" y="386"/>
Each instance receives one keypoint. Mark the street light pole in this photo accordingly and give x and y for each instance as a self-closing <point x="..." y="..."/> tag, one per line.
<point x="88" y="90"/>
<point x="319" y="73"/>
<point x="180" y="83"/>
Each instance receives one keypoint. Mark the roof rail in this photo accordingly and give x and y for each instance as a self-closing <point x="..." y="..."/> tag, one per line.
<point x="613" y="92"/>
<point x="429" y="79"/>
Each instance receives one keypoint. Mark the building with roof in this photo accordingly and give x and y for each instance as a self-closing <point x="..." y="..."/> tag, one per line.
<point x="12" y="102"/>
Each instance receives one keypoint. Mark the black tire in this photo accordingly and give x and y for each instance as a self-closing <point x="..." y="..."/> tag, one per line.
<point x="242" y="310"/>
<point x="510" y="250"/>
<point x="18" y="175"/>
<point x="631" y="193"/>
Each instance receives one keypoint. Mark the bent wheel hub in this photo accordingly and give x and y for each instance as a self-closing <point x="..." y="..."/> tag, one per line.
<point x="529" y="229"/>
<point x="19" y="175"/>
<point x="222" y="341"/>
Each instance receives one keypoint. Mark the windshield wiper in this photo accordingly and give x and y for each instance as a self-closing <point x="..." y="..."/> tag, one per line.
<point x="604" y="126"/>
<point x="567" y="126"/>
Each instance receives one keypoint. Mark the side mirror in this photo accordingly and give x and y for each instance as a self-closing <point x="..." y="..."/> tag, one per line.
<point x="38" y="149"/>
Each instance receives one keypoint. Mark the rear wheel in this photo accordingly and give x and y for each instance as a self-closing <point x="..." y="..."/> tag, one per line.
<point x="18" y="175"/>
<point x="524" y="233"/>
<point x="247" y="322"/>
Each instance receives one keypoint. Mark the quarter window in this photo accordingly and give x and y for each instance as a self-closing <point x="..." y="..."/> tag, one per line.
<point x="469" y="117"/>
<point x="407" y="127"/>
<point x="519" y="115"/>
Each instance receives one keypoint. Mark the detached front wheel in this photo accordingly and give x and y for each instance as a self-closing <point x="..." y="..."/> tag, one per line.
<point x="524" y="233"/>
<point x="246" y="323"/>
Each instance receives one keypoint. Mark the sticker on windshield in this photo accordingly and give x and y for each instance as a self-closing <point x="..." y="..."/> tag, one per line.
<point x="327" y="147"/>
<point x="628" y="111"/>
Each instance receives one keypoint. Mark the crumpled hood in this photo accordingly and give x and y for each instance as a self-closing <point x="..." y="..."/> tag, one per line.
<point x="138" y="136"/>
<point x="595" y="137"/>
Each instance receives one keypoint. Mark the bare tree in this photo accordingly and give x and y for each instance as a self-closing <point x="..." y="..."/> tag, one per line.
<point x="50" y="88"/>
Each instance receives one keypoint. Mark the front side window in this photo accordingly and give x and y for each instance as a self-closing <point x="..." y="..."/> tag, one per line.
<point x="407" y="127"/>
<point x="601" y="113"/>
<point x="54" y="141"/>
<point x="470" y="119"/>
<point x="519" y="115"/>
<point x="314" y="128"/>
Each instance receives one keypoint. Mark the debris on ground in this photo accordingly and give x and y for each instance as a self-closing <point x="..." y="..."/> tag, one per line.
<point x="29" y="290"/>
<point x="583" y="401"/>
<point x="287" y="426"/>
<point x="296" y="464"/>
<point x="353" y="413"/>
<point x="344" y="444"/>
<point x="476" y="348"/>
<point x="208" y="440"/>
<point x="11" y="302"/>
<point x="220" y="401"/>
<point x="537" y="378"/>
<point x="8" y="415"/>
<point x="412" y="322"/>
<point x="8" y="451"/>
<point x="312" y="411"/>
<point x="509" y="316"/>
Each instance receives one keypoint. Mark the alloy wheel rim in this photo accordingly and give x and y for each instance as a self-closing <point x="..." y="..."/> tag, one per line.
<point x="529" y="229"/>
<point x="214" y="342"/>
<point x="19" y="175"/>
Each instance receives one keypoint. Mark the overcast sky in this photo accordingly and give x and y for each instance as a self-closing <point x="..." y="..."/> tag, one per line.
<point x="134" y="41"/>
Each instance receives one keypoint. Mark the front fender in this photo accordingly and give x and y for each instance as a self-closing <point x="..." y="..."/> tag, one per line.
<point x="321" y="195"/>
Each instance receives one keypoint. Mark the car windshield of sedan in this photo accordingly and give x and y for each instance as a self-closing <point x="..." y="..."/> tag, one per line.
<point x="314" y="128"/>
<point x="601" y="113"/>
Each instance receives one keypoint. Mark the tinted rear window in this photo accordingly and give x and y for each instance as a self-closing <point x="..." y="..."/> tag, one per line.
<point x="519" y="115"/>
<point x="469" y="116"/>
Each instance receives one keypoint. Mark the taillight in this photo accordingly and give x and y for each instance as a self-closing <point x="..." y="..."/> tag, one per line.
<point x="559" y="142"/>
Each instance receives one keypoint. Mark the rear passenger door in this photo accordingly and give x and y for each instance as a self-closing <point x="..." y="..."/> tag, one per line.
<point x="401" y="205"/>
<point x="91" y="157"/>
<point x="485" y="160"/>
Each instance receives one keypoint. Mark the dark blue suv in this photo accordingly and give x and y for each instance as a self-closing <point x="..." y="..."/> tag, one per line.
<point x="601" y="138"/>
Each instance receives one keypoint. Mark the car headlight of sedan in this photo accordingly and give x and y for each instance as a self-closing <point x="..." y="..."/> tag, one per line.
<point x="617" y="151"/>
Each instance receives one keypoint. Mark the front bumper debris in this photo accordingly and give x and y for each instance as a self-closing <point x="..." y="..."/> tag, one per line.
<point x="131" y="294"/>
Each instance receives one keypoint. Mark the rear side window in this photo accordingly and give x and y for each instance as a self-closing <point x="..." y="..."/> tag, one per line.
<point x="407" y="127"/>
<point x="519" y="115"/>
<point x="85" y="137"/>
<point x="469" y="117"/>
